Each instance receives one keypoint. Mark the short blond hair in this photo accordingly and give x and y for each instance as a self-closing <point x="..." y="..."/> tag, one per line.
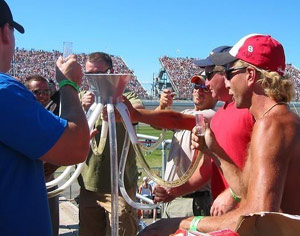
<point x="278" y="87"/>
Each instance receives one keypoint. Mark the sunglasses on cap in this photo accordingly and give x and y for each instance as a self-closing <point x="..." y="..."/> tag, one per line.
<point x="38" y="92"/>
<point x="201" y="86"/>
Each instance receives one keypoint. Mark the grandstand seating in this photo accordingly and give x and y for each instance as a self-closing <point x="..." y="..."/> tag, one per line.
<point x="180" y="70"/>
<point x="28" y="62"/>
<point x="294" y="72"/>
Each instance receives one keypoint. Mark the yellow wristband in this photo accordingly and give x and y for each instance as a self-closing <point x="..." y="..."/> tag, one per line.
<point x="235" y="197"/>
<point x="194" y="223"/>
<point x="68" y="82"/>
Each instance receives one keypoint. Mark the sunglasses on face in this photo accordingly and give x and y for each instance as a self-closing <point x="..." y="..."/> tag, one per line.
<point x="201" y="86"/>
<point x="229" y="71"/>
<point x="108" y="71"/>
<point x="40" y="91"/>
<point x="210" y="74"/>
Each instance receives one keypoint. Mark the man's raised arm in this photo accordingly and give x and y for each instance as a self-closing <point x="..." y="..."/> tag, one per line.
<point x="72" y="147"/>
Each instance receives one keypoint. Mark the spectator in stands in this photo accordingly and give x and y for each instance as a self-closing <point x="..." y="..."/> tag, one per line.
<point x="181" y="154"/>
<point x="38" y="85"/>
<point x="95" y="191"/>
<point x="30" y="135"/>
<point x="145" y="190"/>
<point x="153" y="185"/>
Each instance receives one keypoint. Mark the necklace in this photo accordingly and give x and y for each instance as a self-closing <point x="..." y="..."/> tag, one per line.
<point x="274" y="105"/>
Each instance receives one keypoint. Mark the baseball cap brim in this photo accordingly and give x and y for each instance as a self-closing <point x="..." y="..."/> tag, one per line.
<point x="222" y="58"/>
<point x="203" y="63"/>
<point x="197" y="78"/>
<point x="207" y="61"/>
<point x="18" y="27"/>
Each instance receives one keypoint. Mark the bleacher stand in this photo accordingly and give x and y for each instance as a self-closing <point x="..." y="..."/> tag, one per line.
<point x="295" y="74"/>
<point x="180" y="70"/>
<point x="177" y="70"/>
<point x="29" y="62"/>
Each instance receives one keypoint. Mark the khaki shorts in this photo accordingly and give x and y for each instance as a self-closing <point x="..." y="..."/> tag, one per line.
<point x="186" y="207"/>
<point x="95" y="215"/>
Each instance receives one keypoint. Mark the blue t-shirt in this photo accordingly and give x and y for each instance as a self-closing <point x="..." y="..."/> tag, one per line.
<point x="27" y="131"/>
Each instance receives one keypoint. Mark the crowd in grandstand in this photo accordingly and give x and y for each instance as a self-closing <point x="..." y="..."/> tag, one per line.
<point x="29" y="62"/>
<point x="179" y="70"/>
<point x="295" y="74"/>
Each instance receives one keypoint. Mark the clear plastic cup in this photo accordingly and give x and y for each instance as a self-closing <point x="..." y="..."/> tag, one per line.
<point x="200" y="124"/>
<point x="67" y="49"/>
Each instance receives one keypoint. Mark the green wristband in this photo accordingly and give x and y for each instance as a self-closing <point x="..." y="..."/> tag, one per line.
<point x="194" y="223"/>
<point x="68" y="82"/>
<point x="235" y="197"/>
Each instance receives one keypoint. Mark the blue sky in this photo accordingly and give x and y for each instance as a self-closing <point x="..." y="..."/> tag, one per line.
<point x="142" y="31"/>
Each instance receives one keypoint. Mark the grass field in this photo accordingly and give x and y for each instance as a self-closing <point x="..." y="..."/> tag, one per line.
<point x="154" y="158"/>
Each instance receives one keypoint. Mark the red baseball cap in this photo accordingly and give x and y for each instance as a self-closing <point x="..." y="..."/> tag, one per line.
<point x="259" y="50"/>
<point x="199" y="78"/>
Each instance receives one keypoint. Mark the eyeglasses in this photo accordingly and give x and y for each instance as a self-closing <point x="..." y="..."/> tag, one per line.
<point x="40" y="91"/>
<point x="107" y="71"/>
<point x="210" y="74"/>
<point x="229" y="71"/>
<point x="201" y="86"/>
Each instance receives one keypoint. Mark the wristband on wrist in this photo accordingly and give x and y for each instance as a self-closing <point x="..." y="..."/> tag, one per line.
<point x="194" y="223"/>
<point x="235" y="197"/>
<point x="68" y="82"/>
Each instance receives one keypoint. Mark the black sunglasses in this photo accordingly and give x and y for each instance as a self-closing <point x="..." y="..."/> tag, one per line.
<point x="108" y="71"/>
<point x="210" y="74"/>
<point x="201" y="86"/>
<point x="230" y="70"/>
<point x="40" y="91"/>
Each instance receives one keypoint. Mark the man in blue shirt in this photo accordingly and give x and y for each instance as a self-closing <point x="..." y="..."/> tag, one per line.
<point x="29" y="135"/>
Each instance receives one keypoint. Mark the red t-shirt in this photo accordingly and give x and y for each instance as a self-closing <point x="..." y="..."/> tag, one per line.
<point x="232" y="128"/>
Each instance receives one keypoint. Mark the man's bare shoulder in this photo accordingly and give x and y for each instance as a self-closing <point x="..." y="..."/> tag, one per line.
<point x="282" y="125"/>
<point x="283" y="118"/>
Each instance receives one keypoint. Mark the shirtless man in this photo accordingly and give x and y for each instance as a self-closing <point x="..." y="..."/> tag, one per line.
<point x="255" y="77"/>
<point x="255" y="71"/>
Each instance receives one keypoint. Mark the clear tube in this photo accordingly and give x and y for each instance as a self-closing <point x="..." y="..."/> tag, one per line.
<point x="98" y="150"/>
<point x="90" y="111"/>
<point x="94" y="116"/>
<point x="113" y="170"/>
<point x="68" y="183"/>
<point x="158" y="180"/>
<point x="157" y="143"/>
<point x="91" y="122"/>
<point x="123" y="191"/>
<point x="137" y="147"/>
<point x="59" y="178"/>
